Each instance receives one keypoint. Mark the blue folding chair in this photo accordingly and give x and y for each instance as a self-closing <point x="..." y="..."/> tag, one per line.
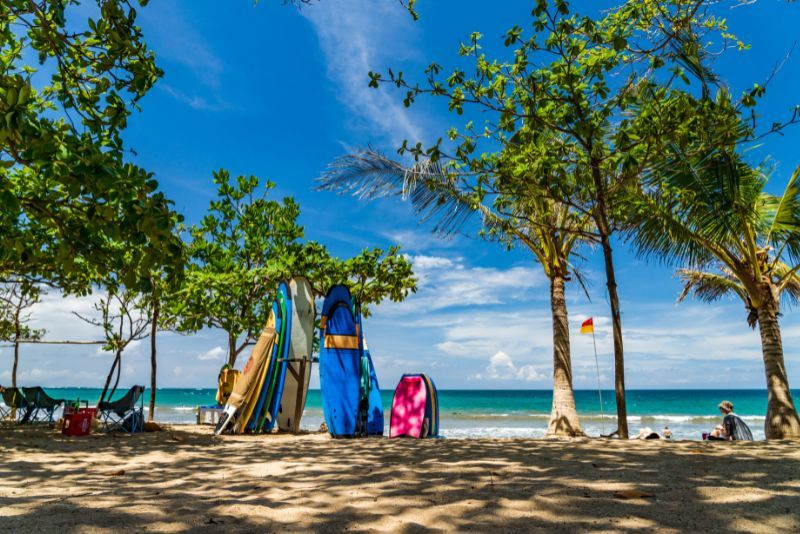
<point x="40" y="406"/>
<point x="126" y="413"/>
<point x="14" y="399"/>
<point x="5" y="409"/>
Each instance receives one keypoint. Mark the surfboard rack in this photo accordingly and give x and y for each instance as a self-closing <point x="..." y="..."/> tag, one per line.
<point x="301" y="360"/>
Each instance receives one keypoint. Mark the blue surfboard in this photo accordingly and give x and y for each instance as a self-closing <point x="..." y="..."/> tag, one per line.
<point x="339" y="363"/>
<point x="375" y="403"/>
<point x="284" y="296"/>
<point x="262" y="396"/>
<point x="370" y="400"/>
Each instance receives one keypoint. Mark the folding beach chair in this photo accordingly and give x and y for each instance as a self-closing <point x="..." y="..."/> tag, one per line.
<point x="4" y="410"/>
<point x="41" y="406"/>
<point x="126" y="414"/>
<point x="15" y="400"/>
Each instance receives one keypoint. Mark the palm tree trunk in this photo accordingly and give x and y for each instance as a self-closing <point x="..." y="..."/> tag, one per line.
<point x="153" y="331"/>
<point x="782" y="420"/>
<point x="564" y="415"/>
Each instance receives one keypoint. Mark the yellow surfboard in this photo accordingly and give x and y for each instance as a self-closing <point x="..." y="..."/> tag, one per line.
<point x="263" y="344"/>
<point x="250" y="381"/>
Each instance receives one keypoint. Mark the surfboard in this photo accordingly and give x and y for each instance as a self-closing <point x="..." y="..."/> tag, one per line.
<point x="374" y="401"/>
<point x="432" y="411"/>
<point x="269" y="384"/>
<point x="298" y="368"/>
<point x="263" y="388"/>
<point x="253" y="371"/>
<point x="248" y="409"/>
<point x="339" y="363"/>
<point x="285" y="301"/>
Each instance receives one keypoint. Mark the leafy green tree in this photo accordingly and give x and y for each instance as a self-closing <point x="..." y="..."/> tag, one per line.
<point x="247" y="244"/>
<point x="67" y="87"/>
<point x="238" y="253"/>
<point x="549" y="230"/>
<point x="372" y="276"/>
<point x="595" y="87"/>
<point x="705" y="208"/>
<point x="16" y="297"/>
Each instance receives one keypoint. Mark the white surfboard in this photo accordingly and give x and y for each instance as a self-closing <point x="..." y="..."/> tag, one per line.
<point x="298" y="369"/>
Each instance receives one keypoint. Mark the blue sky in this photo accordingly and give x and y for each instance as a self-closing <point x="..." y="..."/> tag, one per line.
<point x="279" y="92"/>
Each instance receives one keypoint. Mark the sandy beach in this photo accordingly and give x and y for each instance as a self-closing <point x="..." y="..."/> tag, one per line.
<point x="185" y="479"/>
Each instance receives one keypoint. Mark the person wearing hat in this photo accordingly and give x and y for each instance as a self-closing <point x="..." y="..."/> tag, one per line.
<point x="733" y="428"/>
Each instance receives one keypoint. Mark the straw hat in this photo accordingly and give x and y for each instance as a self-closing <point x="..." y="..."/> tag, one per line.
<point x="726" y="405"/>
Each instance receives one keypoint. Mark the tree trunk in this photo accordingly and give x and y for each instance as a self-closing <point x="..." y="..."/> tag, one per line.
<point x="616" y="323"/>
<point x="231" y="350"/>
<point x="16" y="363"/>
<point x="601" y="219"/>
<point x="564" y="415"/>
<point x="782" y="421"/>
<point x="153" y="331"/>
<point x="117" y="357"/>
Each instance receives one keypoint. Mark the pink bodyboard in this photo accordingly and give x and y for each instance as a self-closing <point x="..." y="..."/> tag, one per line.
<point x="408" y="408"/>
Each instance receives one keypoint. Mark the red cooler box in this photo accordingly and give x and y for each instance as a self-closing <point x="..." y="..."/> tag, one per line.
<point x="77" y="421"/>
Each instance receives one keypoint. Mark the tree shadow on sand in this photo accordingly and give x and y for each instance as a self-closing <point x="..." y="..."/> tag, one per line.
<point x="188" y="479"/>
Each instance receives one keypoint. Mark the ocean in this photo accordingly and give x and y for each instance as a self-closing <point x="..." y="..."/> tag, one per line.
<point x="512" y="413"/>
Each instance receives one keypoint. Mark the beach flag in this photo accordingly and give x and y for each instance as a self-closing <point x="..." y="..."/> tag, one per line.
<point x="587" y="327"/>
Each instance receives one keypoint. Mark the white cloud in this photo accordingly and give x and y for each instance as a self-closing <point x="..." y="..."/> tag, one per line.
<point x="502" y="367"/>
<point x="359" y="36"/>
<point x="55" y="313"/>
<point x="429" y="262"/>
<point x="134" y="349"/>
<point x="214" y="354"/>
<point x="473" y="333"/>
<point x="444" y="283"/>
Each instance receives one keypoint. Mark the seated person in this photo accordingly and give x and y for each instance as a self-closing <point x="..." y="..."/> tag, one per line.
<point x="733" y="428"/>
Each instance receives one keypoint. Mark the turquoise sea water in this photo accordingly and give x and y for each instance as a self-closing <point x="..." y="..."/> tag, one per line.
<point x="512" y="413"/>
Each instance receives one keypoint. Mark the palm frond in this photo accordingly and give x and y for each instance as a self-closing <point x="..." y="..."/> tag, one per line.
<point x="693" y="58"/>
<point x="709" y="287"/>
<point x="658" y="229"/>
<point x="710" y="197"/>
<point x="582" y="281"/>
<point x="781" y="217"/>
<point x="428" y="185"/>
<point x="787" y="281"/>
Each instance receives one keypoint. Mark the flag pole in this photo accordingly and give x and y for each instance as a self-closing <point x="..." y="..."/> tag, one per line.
<point x="599" y="390"/>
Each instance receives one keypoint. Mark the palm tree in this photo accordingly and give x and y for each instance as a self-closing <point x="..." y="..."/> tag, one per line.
<point x="710" y="211"/>
<point x="550" y="230"/>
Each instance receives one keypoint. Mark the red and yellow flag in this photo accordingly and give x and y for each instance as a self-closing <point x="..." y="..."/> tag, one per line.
<point x="587" y="327"/>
